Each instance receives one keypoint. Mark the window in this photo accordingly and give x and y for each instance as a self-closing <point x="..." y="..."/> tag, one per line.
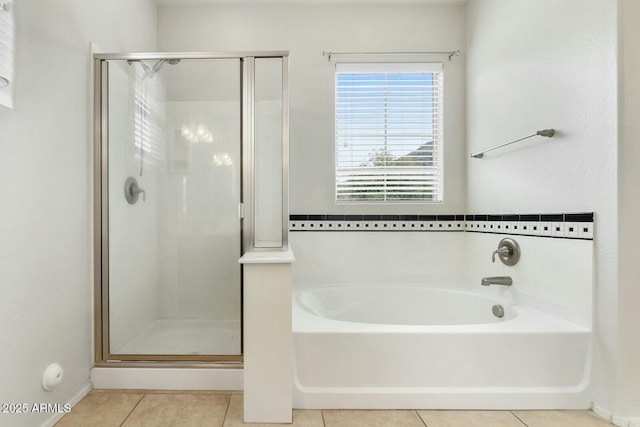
<point x="389" y="132"/>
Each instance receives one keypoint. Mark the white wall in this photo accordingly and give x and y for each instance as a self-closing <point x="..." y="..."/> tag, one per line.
<point x="334" y="258"/>
<point x="629" y="209"/>
<point x="557" y="274"/>
<point x="307" y="31"/>
<point x="45" y="205"/>
<point x="535" y="64"/>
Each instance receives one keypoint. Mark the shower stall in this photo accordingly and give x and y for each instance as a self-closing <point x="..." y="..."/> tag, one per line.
<point x="191" y="154"/>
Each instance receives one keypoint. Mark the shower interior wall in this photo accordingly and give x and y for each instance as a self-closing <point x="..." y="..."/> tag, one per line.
<point x="190" y="219"/>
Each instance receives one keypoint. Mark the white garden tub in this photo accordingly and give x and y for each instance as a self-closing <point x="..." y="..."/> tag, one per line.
<point x="425" y="348"/>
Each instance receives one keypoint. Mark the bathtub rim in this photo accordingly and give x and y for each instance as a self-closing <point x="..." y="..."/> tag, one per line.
<point x="470" y="297"/>
<point x="530" y="318"/>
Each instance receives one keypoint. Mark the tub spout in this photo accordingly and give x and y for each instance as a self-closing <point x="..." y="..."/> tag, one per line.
<point x="499" y="280"/>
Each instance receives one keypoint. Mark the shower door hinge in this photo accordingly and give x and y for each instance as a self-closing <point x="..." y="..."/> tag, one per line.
<point x="241" y="210"/>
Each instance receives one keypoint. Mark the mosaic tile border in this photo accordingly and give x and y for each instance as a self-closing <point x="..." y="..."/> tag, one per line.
<point x="567" y="225"/>
<point x="376" y="223"/>
<point x="563" y="226"/>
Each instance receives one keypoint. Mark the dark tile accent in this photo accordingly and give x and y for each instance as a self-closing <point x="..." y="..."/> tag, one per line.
<point x="353" y="217"/>
<point x="408" y="217"/>
<point x="579" y="217"/>
<point x="481" y="217"/>
<point x="372" y="217"/>
<point x="530" y="218"/>
<point x="459" y="217"/>
<point x="494" y="217"/>
<point x="335" y="217"/>
<point x="427" y="217"/>
<point x="390" y="217"/>
<point x="446" y="218"/>
<point x="551" y="217"/>
<point x="297" y="217"/>
<point x="470" y="217"/>
<point x="511" y="217"/>
<point x="317" y="217"/>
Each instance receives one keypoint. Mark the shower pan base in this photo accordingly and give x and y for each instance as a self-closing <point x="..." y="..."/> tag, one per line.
<point x="186" y="336"/>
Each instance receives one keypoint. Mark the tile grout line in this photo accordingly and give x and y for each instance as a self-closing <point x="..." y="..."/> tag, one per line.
<point x="324" y="424"/>
<point x="523" y="423"/>
<point x="226" y="412"/>
<point x="421" y="419"/>
<point x="132" y="409"/>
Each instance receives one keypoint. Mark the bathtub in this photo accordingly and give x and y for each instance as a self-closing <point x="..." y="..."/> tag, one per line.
<point x="415" y="347"/>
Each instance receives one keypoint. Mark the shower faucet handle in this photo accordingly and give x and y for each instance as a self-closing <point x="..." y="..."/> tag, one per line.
<point x="132" y="191"/>
<point x="144" y="193"/>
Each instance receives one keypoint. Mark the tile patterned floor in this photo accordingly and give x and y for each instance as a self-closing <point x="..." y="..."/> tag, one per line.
<point x="150" y="408"/>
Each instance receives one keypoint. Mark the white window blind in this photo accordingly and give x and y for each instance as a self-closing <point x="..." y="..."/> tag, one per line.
<point x="389" y="132"/>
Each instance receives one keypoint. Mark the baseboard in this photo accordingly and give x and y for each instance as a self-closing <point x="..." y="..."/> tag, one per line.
<point x="601" y="411"/>
<point x="618" y="420"/>
<point x="622" y="421"/>
<point x="73" y="401"/>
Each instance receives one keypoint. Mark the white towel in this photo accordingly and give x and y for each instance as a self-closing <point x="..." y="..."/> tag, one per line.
<point x="6" y="44"/>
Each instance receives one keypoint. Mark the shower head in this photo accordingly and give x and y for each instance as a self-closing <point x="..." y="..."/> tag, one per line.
<point x="151" y="71"/>
<point x="156" y="67"/>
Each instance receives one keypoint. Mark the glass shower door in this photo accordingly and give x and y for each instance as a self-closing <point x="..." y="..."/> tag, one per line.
<point x="174" y="188"/>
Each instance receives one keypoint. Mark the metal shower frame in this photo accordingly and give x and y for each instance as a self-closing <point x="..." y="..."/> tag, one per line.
<point x="102" y="355"/>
